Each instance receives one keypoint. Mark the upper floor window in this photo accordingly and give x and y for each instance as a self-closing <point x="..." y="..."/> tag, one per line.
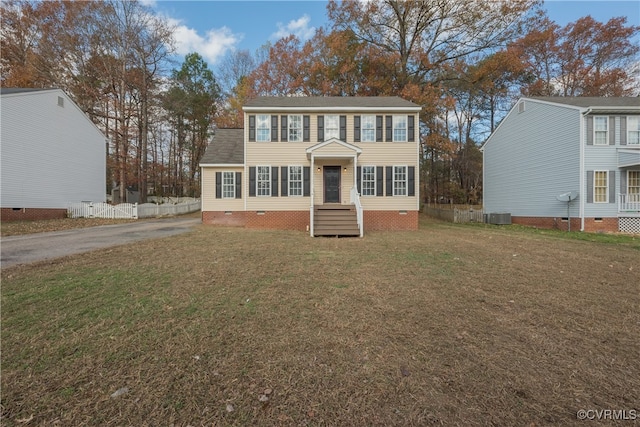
<point x="600" y="186"/>
<point x="263" y="181"/>
<point x="368" y="130"/>
<point x="228" y="185"/>
<point x="399" y="180"/>
<point x="263" y="130"/>
<point x="399" y="128"/>
<point x="600" y="130"/>
<point x="331" y="127"/>
<point x="295" y="128"/>
<point x="633" y="130"/>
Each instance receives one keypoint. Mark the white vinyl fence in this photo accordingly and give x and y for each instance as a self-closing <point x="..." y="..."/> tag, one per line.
<point x="130" y="210"/>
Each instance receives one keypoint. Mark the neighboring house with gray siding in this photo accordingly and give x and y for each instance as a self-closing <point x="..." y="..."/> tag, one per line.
<point x="52" y="155"/>
<point x="548" y="146"/>
<point x="326" y="165"/>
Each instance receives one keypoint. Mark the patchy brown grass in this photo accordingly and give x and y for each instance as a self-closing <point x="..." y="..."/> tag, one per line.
<point x="13" y="228"/>
<point x="450" y="325"/>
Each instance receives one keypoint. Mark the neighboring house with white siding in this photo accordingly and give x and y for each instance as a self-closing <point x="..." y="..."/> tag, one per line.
<point x="327" y="165"/>
<point x="51" y="155"/>
<point x="548" y="146"/>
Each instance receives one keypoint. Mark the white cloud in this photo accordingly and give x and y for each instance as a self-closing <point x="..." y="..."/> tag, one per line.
<point x="149" y="3"/>
<point x="212" y="46"/>
<point x="298" y="27"/>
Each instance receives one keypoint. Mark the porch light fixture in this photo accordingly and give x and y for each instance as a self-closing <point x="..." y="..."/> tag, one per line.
<point x="318" y="168"/>
<point x="345" y="168"/>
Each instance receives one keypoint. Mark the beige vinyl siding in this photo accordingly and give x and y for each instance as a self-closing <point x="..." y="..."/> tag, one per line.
<point x="294" y="153"/>
<point x="209" y="201"/>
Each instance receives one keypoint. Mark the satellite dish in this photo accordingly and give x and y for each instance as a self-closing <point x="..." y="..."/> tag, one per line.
<point x="567" y="197"/>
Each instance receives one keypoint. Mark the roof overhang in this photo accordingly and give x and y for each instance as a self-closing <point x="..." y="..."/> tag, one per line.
<point x="352" y="150"/>
<point x="333" y="109"/>
<point x="628" y="157"/>
<point x="221" y="165"/>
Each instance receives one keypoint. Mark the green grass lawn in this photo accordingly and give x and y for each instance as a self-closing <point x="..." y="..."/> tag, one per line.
<point x="449" y="325"/>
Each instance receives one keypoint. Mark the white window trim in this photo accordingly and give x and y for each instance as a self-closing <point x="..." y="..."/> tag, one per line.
<point x="326" y="128"/>
<point x="375" y="180"/>
<point x="606" y="131"/>
<point x="258" y="180"/>
<point x="629" y="130"/>
<point x="290" y="128"/>
<point x="606" y="186"/>
<point x="406" y="128"/>
<point x="406" y="180"/>
<point x="258" y="128"/>
<point x="233" y="184"/>
<point x="301" y="181"/>
<point x="362" y="128"/>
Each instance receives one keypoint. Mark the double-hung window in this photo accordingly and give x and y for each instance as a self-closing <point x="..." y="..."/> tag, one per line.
<point x="228" y="185"/>
<point x="263" y="180"/>
<point x="600" y="130"/>
<point x="399" y="180"/>
<point x="295" y="180"/>
<point x="331" y="127"/>
<point x="399" y="128"/>
<point x="295" y="128"/>
<point x="600" y="186"/>
<point x="633" y="184"/>
<point x="633" y="130"/>
<point x="368" y="181"/>
<point x="368" y="129"/>
<point x="263" y="128"/>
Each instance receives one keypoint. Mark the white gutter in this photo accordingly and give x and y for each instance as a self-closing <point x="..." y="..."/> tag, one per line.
<point x="583" y="184"/>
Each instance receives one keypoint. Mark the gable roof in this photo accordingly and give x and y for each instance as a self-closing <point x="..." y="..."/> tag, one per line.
<point x="12" y="90"/>
<point x="330" y="103"/>
<point x="226" y="148"/>
<point x="591" y="101"/>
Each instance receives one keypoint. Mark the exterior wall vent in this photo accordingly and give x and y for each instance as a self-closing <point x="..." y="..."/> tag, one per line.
<point x="60" y="101"/>
<point x="521" y="107"/>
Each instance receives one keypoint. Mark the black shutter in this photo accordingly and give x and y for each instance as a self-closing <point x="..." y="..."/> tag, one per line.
<point x="356" y="128"/>
<point x="306" y="128"/>
<point x="359" y="178"/>
<point x="411" y="181"/>
<point x="612" y="130"/>
<point x="389" y="128"/>
<point x="389" y="180"/>
<point x="306" y="181"/>
<point x="379" y="181"/>
<point x="320" y="128"/>
<point x="283" y="129"/>
<point x="238" y="185"/>
<point x="378" y="128"/>
<point x="252" y="181"/>
<point x="274" y="128"/>
<point x="411" y="137"/>
<point x="612" y="186"/>
<point x="589" y="130"/>
<point x="343" y="128"/>
<point x="218" y="185"/>
<point x="284" y="171"/>
<point x="274" y="181"/>
<point x="252" y="128"/>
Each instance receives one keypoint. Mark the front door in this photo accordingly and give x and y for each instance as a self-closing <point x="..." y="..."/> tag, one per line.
<point x="332" y="184"/>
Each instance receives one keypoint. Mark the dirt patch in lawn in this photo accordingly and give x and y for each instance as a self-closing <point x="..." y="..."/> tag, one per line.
<point x="449" y="325"/>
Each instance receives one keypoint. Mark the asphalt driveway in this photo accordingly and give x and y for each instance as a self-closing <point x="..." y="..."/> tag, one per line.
<point x="30" y="248"/>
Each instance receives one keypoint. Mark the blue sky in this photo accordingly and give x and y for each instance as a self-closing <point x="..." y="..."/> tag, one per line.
<point x="213" y="28"/>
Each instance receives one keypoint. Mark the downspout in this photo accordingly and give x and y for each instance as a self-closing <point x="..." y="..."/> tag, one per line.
<point x="583" y="185"/>
<point x="312" y="193"/>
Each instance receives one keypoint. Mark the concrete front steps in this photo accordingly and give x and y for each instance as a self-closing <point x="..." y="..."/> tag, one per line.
<point x="335" y="220"/>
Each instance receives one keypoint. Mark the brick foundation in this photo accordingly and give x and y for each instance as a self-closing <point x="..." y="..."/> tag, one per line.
<point x="607" y="225"/>
<point x="390" y="220"/>
<point x="299" y="220"/>
<point x="31" y="214"/>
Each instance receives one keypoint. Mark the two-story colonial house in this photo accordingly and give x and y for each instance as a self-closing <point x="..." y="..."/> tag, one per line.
<point x="549" y="147"/>
<point x="326" y="165"/>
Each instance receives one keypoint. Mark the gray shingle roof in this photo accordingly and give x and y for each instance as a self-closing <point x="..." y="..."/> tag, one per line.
<point x="10" y="90"/>
<point x="227" y="148"/>
<point x="329" y="102"/>
<point x="592" y="101"/>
